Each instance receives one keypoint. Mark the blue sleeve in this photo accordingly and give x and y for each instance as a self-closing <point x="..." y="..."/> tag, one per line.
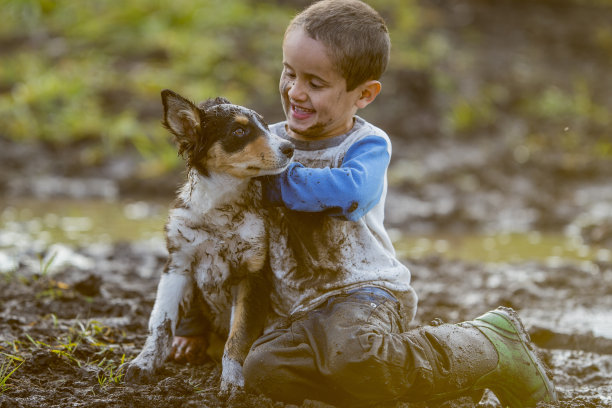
<point x="349" y="191"/>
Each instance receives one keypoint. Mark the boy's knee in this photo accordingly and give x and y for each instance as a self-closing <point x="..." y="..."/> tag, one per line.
<point x="347" y="358"/>
<point x="263" y="374"/>
<point x="255" y="369"/>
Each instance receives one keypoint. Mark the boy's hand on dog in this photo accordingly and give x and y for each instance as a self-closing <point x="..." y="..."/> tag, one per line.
<point x="189" y="349"/>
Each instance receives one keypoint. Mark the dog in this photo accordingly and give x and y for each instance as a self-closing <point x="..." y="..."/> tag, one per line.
<point x="216" y="231"/>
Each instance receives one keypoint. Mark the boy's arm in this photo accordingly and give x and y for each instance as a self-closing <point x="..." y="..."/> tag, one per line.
<point x="348" y="191"/>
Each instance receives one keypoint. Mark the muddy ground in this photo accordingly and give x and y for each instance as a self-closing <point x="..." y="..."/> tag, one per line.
<point x="72" y="328"/>
<point x="67" y="322"/>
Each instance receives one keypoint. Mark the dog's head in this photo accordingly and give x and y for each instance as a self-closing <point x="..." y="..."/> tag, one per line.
<point x="217" y="136"/>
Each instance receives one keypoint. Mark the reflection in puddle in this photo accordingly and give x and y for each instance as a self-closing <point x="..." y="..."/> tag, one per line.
<point x="571" y="321"/>
<point x="552" y="248"/>
<point x="39" y="224"/>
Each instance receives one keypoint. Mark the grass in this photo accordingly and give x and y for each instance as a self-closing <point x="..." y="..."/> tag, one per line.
<point x="112" y="373"/>
<point x="91" y="332"/>
<point x="45" y="264"/>
<point x="98" y="357"/>
<point x="91" y="72"/>
<point x="9" y="365"/>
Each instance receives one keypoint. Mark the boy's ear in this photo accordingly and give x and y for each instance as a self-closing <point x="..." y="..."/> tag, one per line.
<point x="182" y="118"/>
<point x="369" y="92"/>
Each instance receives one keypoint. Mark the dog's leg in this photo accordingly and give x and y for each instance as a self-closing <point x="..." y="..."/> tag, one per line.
<point x="173" y="289"/>
<point x="250" y="299"/>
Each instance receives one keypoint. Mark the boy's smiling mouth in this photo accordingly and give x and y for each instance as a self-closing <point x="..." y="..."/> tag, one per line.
<point x="300" y="112"/>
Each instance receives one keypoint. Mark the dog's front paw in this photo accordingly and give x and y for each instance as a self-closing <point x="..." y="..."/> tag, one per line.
<point x="138" y="371"/>
<point x="232" y="380"/>
<point x="229" y="392"/>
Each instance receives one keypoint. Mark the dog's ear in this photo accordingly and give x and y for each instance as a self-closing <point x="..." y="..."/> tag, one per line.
<point x="219" y="100"/>
<point x="182" y="118"/>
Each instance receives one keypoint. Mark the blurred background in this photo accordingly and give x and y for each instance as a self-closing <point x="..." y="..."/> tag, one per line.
<point x="499" y="112"/>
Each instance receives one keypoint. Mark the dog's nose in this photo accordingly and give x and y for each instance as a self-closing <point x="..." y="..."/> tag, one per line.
<point x="287" y="149"/>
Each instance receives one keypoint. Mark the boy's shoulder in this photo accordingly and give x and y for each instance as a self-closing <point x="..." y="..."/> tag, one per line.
<point x="361" y="129"/>
<point x="363" y="138"/>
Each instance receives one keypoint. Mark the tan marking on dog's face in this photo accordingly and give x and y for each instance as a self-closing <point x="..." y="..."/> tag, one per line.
<point x="257" y="157"/>
<point x="241" y="119"/>
<point x="261" y="152"/>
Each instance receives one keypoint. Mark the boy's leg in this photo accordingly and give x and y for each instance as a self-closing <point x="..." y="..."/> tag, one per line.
<point x="353" y="350"/>
<point x="493" y="352"/>
<point x="338" y="353"/>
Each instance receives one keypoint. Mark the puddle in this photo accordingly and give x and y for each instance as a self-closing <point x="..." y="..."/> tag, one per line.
<point x="551" y="248"/>
<point x="569" y="321"/>
<point x="39" y="224"/>
<point x="79" y="222"/>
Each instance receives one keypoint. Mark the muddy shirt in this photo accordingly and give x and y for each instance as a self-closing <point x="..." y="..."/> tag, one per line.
<point x="327" y="236"/>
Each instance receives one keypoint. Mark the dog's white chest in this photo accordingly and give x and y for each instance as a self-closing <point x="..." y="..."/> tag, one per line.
<point x="217" y="248"/>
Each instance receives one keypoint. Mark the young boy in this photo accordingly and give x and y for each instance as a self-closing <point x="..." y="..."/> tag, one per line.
<point x="341" y="300"/>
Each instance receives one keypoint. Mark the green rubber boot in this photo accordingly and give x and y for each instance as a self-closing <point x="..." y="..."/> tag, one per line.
<point x="520" y="378"/>
<point x="491" y="352"/>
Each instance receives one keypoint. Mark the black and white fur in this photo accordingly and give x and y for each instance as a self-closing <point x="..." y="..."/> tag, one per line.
<point x="216" y="233"/>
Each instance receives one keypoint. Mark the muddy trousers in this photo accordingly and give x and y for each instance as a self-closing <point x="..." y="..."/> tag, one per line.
<point x="353" y="351"/>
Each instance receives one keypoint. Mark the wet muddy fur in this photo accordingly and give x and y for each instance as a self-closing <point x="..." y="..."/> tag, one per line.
<point x="216" y="233"/>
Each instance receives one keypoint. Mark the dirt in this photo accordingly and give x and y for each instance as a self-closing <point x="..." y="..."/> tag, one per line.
<point x="71" y="326"/>
<point x="67" y="324"/>
<point x="71" y="314"/>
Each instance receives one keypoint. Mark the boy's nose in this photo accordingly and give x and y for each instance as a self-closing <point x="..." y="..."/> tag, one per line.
<point x="295" y="91"/>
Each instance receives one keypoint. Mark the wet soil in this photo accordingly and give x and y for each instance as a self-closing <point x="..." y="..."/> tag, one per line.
<point x="71" y="314"/>
<point x="67" y="324"/>
<point x="72" y="326"/>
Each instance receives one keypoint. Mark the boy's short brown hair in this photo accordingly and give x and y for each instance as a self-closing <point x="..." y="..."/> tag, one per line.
<point x="355" y="35"/>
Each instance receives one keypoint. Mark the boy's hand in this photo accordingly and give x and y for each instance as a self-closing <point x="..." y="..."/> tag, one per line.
<point x="189" y="349"/>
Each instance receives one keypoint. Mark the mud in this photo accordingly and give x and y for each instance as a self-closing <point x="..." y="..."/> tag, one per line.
<point x="72" y="327"/>
<point x="69" y="315"/>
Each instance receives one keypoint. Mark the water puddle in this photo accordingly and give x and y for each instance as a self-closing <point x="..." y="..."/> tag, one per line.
<point x="79" y="222"/>
<point x="38" y="224"/>
<point x="554" y="248"/>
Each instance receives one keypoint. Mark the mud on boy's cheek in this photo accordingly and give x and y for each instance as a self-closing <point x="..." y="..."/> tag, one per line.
<point x="283" y="86"/>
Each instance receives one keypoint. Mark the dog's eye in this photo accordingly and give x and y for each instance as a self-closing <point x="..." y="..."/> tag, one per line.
<point x="239" y="132"/>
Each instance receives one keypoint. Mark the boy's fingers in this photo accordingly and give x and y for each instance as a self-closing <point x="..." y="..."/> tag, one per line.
<point x="178" y="349"/>
<point x="188" y="349"/>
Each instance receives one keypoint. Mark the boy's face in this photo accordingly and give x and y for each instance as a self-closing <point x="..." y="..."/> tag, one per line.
<point x="313" y="92"/>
